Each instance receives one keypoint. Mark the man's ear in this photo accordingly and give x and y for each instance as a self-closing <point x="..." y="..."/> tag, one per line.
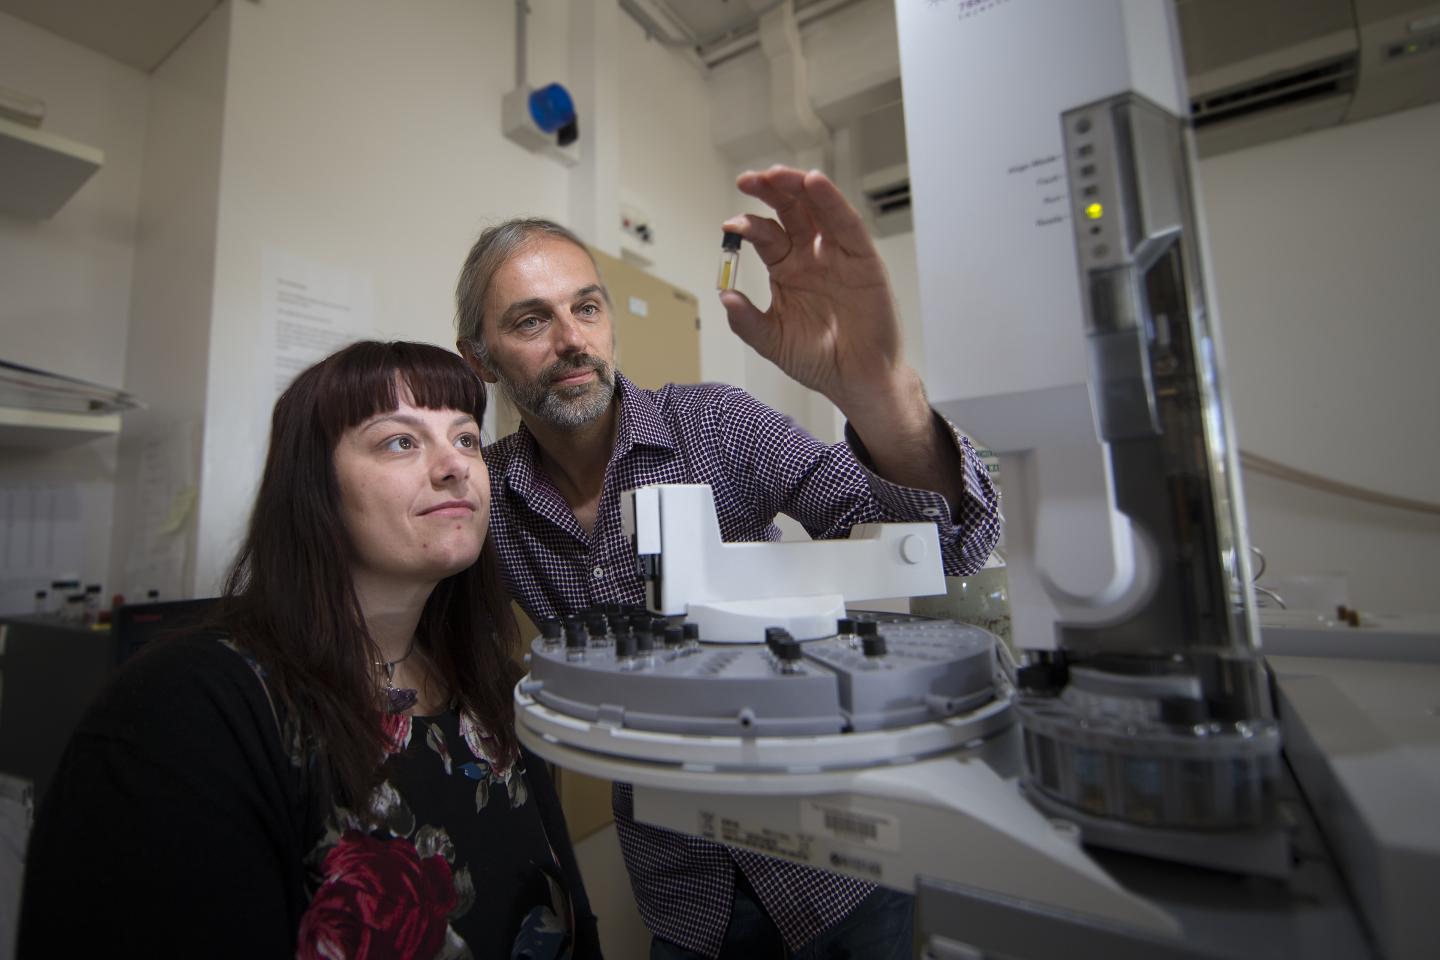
<point x="467" y="350"/>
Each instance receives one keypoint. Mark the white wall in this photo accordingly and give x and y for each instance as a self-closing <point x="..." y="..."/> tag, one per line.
<point x="1324" y="256"/>
<point x="66" y="296"/>
<point x="670" y="169"/>
<point x="366" y="137"/>
<point x="362" y="136"/>
<point x="169" y="332"/>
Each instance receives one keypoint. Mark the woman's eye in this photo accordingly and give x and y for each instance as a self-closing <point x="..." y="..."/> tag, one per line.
<point x="399" y="444"/>
<point x="468" y="441"/>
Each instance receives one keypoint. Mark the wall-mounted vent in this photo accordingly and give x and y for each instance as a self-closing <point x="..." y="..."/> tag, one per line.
<point x="1262" y="70"/>
<point x="887" y="199"/>
<point x="1321" y="81"/>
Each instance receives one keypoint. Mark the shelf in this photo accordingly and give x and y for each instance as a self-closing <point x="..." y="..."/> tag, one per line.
<point x="40" y="171"/>
<point x="45" y="429"/>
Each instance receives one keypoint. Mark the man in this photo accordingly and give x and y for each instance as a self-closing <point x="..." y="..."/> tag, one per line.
<point x="534" y="318"/>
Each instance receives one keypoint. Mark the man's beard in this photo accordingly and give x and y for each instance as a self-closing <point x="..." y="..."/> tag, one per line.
<point x="567" y="408"/>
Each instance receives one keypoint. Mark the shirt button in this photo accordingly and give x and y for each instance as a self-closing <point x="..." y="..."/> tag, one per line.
<point x="928" y="511"/>
<point x="599" y="572"/>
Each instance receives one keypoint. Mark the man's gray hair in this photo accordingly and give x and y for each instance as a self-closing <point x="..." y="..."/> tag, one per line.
<point x="492" y="251"/>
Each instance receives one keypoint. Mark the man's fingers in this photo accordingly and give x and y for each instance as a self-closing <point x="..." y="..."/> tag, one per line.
<point x="749" y="324"/>
<point x="836" y="219"/>
<point x="765" y="235"/>
<point x="783" y="190"/>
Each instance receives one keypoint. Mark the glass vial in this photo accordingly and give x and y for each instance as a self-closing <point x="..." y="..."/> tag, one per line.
<point x="729" y="261"/>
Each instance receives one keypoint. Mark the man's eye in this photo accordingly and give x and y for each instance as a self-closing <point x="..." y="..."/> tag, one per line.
<point x="589" y="310"/>
<point x="528" y="323"/>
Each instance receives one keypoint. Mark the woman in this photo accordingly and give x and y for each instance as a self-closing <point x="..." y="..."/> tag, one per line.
<point x="332" y="772"/>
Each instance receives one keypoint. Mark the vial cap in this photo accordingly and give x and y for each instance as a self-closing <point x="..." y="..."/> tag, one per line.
<point x="575" y="635"/>
<point x="873" y="646"/>
<point x="844" y="627"/>
<point x="730" y="241"/>
<point x="645" y="641"/>
<point x="867" y="628"/>
<point x="788" y="650"/>
<point x="674" y="635"/>
<point x="625" y="645"/>
<point x="692" y="631"/>
<point x="550" y="629"/>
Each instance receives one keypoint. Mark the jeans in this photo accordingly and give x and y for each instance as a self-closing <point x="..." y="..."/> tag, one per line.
<point x="881" y="927"/>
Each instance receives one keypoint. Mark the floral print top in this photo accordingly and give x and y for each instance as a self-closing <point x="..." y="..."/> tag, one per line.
<point x="452" y="862"/>
<point x="180" y="820"/>
<point x="459" y="867"/>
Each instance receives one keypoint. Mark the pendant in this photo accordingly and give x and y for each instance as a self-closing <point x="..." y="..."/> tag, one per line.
<point x="401" y="698"/>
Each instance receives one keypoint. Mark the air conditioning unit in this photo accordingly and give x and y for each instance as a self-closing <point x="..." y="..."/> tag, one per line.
<point x="1262" y="70"/>
<point x="884" y="173"/>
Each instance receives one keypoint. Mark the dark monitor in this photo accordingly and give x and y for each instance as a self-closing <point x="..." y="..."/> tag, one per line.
<point x="137" y="624"/>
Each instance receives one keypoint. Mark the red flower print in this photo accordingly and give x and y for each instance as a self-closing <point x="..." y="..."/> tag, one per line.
<point x="378" y="899"/>
<point x="396" y="727"/>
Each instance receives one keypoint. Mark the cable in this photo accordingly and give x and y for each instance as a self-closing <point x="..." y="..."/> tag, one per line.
<point x="1259" y="464"/>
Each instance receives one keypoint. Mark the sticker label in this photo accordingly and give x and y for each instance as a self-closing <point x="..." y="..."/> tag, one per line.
<point x="777" y="843"/>
<point x="850" y="825"/>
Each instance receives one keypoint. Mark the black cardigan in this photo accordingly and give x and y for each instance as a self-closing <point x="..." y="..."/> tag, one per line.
<point x="135" y="853"/>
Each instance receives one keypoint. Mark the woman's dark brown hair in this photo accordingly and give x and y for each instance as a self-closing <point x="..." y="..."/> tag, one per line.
<point x="289" y="600"/>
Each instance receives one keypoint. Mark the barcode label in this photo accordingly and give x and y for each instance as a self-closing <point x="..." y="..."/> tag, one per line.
<point x="851" y="825"/>
<point x="855" y="826"/>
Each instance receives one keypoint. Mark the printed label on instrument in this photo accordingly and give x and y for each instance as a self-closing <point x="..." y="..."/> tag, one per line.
<point x="862" y="828"/>
<point x="765" y="839"/>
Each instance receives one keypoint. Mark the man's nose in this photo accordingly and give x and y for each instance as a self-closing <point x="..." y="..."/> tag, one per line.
<point x="569" y="336"/>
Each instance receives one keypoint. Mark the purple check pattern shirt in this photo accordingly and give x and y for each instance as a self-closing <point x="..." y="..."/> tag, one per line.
<point x="759" y="464"/>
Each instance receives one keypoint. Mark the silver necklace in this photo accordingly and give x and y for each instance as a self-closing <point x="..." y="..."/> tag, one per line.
<point x="399" y="699"/>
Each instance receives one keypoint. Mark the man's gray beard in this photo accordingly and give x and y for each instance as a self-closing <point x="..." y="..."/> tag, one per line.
<point x="567" y="408"/>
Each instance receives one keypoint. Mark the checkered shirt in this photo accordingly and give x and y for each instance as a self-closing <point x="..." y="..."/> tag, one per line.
<point x="759" y="464"/>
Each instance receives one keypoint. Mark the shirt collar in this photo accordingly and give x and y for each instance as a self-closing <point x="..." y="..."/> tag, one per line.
<point x="641" y="425"/>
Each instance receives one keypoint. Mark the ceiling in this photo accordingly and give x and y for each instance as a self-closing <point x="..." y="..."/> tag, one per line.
<point x="140" y="33"/>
